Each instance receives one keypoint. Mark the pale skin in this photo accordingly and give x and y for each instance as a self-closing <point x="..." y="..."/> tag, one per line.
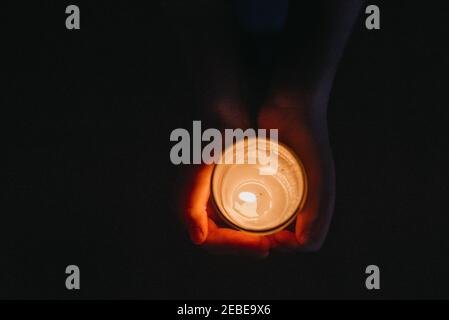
<point x="297" y="107"/>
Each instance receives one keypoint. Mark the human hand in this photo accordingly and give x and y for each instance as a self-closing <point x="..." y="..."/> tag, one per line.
<point x="302" y="126"/>
<point x="203" y="223"/>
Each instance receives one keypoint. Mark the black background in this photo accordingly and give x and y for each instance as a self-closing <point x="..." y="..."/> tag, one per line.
<point x="86" y="117"/>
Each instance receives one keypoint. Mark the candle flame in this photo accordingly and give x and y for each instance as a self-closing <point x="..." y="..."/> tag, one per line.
<point x="248" y="197"/>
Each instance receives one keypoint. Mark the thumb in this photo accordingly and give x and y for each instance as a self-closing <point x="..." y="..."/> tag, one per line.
<point x="195" y="212"/>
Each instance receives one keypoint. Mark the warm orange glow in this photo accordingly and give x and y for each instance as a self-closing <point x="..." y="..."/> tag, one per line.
<point x="259" y="197"/>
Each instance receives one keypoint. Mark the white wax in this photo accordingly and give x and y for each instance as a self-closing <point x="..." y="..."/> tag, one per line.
<point x="254" y="197"/>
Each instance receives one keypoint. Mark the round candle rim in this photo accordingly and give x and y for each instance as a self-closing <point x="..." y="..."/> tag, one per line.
<point x="272" y="229"/>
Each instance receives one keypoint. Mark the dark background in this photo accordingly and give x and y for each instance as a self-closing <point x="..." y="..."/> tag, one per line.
<point x="86" y="117"/>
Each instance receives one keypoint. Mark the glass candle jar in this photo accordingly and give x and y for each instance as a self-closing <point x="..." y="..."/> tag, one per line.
<point x="258" y="196"/>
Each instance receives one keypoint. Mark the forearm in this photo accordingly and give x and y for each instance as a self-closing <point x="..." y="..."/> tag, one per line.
<point x="311" y="48"/>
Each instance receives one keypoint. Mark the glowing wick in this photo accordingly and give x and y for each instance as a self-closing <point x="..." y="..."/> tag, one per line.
<point x="249" y="206"/>
<point x="248" y="197"/>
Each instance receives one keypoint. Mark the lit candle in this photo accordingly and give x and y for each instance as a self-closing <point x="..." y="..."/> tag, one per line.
<point x="258" y="196"/>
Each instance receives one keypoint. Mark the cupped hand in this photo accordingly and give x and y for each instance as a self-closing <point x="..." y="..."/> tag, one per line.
<point x="203" y="224"/>
<point x="302" y="126"/>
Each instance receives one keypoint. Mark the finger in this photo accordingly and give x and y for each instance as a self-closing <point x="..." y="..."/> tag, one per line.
<point x="228" y="241"/>
<point x="212" y="212"/>
<point x="197" y="202"/>
<point x="284" y="241"/>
